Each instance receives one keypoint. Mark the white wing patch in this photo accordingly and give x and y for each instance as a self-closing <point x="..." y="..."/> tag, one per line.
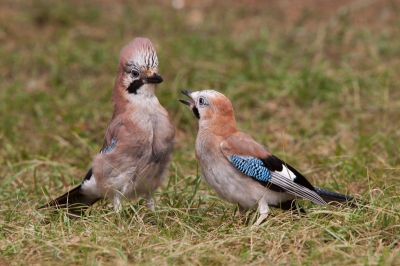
<point x="286" y="173"/>
<point x="89" y="188"/>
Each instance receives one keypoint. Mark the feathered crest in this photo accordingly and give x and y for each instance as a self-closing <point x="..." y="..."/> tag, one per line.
<point x="139" y="53"/>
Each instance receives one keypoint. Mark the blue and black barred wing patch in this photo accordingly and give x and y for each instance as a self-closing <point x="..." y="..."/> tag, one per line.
<point x="256" y="169"/>
<point x="111" y="146"/>
<point x="252" y="167"/>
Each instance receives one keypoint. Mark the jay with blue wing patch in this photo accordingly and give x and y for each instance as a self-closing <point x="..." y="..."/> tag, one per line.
<point x="240" y="170"/>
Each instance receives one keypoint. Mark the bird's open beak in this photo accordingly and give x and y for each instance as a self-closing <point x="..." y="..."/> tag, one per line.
<point x="191" y="103"/>
<point x="154" y="79"/>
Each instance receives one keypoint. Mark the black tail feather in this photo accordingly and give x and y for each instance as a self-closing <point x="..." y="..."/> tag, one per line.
<point x="332" y="197"/>
<point x="74" y="200"/>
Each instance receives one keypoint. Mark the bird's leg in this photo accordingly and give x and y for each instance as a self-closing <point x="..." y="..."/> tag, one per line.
<point x="150" y="202"/>
<point x="242" y="210"/>
<point x="261" y="219"/>
<point x="117" y="203"/>
<point x="118" y="194"/>
<point x="264" y="211"/>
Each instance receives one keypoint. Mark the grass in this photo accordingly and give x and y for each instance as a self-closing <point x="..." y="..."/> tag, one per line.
<point x="316" y="82"/>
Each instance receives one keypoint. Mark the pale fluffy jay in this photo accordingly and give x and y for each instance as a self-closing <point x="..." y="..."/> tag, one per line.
<point x="240" y="170"/>
<point x="138" y="143"/>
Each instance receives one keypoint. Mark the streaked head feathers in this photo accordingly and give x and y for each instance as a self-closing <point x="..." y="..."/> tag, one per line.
<point x="139" y="53"/>
<point x="137" y="71"/>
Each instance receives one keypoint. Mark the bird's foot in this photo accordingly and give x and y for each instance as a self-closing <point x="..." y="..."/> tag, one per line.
<point x="260" y="219"/>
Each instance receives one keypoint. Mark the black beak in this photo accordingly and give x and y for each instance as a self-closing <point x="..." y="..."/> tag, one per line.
<point x="191" y="104"/>
<point x="154" y="79"/>
<point x="187" y="93"/>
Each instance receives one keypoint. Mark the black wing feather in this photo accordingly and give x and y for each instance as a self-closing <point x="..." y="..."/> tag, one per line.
<point x="73" y="197"/>
<point x="273" y="163"/>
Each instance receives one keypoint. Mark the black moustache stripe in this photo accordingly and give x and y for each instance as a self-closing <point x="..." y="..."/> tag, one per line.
<point x="134" y="86"/>
<point x="196" y="112"/>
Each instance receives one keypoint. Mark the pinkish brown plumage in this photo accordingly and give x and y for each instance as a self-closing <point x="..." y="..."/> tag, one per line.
<point x="139" y="140"/>
<point x="240" y="170"/>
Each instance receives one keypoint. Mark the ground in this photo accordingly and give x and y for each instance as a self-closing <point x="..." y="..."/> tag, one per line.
<point x="316" y="82"/>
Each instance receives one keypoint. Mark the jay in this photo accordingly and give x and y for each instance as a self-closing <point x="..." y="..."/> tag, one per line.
<point x="138" y="143"/>
<point x="240" y="170"/>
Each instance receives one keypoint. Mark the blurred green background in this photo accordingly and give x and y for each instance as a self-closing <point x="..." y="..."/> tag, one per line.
<point x="316" y="82"/>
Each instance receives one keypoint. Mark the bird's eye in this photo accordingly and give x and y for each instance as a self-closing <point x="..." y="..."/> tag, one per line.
<point x="202" y="101"/>
<point x="135" y="73"/>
